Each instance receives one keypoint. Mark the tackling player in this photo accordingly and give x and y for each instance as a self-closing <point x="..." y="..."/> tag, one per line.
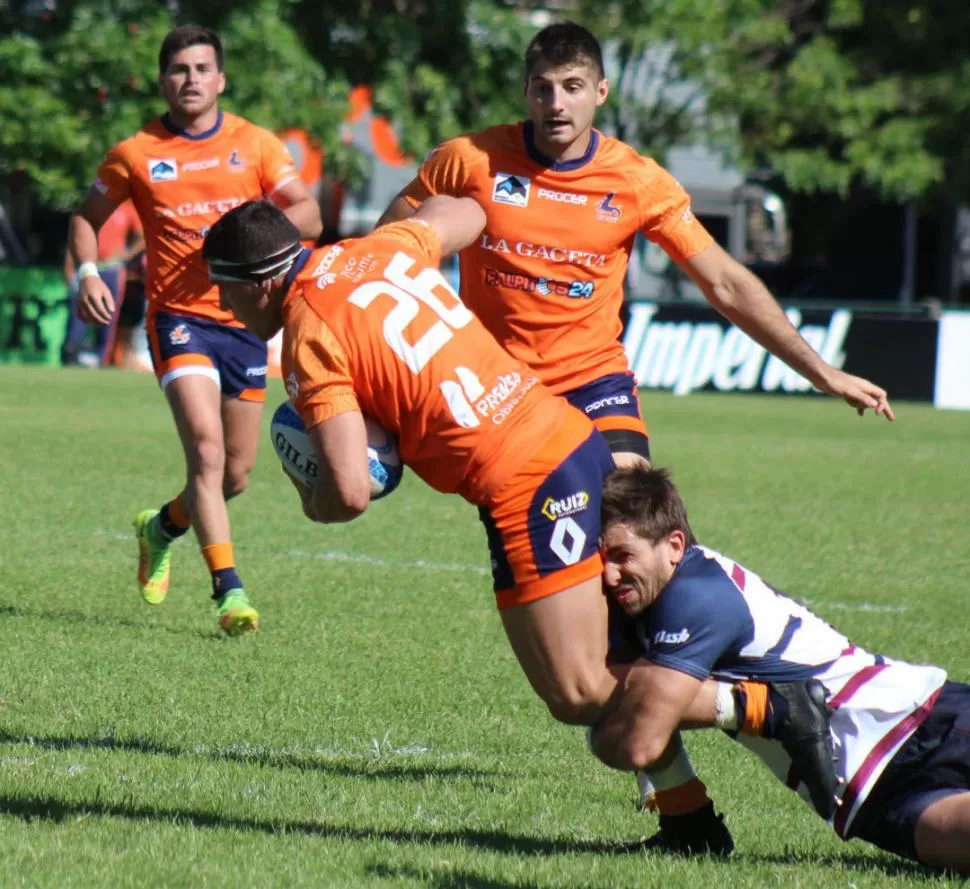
<point x="182" y="171"/>
<point x="371" y="326"/>
<point x="563" y="205"/>
<point x="901" y="732"/>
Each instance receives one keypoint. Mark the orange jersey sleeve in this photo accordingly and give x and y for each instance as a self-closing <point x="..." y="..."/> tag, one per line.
<point x="444" y="171"/>
<point x="312" y="352"/>
<point x="113" y="178"/>
<point x="276" y="165"/>
<point x="466" y="413"/>
<point x="666" y="217"/>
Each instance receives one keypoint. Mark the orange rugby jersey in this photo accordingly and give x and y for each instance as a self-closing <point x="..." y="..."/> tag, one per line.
<point x="180" y="185"/>
<point x="546" y="276"/>
<point x="370" y="324"/>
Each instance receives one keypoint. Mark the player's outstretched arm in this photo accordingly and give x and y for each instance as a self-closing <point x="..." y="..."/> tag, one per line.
<point x="458" y="221"/>
<point x="95" y="302"/>
<point x="654" y="702"/>
<point x="743" y="299"/>
<point x="301" y="208"/>
<point x="342" y="491"/>
<point x="396" y="211"/>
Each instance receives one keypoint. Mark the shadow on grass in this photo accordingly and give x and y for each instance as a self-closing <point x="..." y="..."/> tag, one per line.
<point x="880" y="862"/>
<point x="457" y="878"/>
<point x="375" y="767"/>
<point x="71" y="616"/>
<point x="46" y="808"/>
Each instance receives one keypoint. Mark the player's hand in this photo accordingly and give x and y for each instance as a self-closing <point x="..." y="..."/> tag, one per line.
<point x="860" y="394"/>
<point x="94" y="301"/>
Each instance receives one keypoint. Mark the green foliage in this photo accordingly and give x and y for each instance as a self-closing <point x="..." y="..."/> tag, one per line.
<point x="830" y="93"/>
<point x="72" y="89"/>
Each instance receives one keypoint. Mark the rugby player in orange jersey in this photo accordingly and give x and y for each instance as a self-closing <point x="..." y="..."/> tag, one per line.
<point x="371" y="326"/>
<point x="563" y="205"/>
<point x="182" y="171"/>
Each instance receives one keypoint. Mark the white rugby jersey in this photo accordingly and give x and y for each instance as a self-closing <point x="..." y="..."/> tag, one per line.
<point x="717" y="618"/>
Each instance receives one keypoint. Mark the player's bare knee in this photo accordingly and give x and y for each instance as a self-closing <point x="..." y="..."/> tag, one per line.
<point x="578" y="702"/>
<point x="207" y="461"/>
<point x="236" y="479"/>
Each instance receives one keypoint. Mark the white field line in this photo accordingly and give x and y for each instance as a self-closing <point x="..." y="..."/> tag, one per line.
<point x="458" y="568"/>
<point x="342" y="556"/>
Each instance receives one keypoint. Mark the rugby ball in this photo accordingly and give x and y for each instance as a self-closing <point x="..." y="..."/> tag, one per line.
<point x="292" y="446"/>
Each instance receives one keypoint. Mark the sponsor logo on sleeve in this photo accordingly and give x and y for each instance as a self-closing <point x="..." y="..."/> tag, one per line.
<point x="292" y="386"/>
<point x="99" y="186"/>
<point x="511" y="189"/>
<point x="163" y="169"/>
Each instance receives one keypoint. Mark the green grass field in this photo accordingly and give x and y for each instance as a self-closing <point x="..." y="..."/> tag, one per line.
<point x="377" y="732"/>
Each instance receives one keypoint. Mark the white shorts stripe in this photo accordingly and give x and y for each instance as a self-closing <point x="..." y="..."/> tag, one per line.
<point x="190" y="370"/>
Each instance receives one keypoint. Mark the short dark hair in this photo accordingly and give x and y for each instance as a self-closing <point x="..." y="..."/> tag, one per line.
<point x="562" y="44"/>
<point x="249" y="234"/>
<point x="185" y="36"/>
<point x="647" y="501"/>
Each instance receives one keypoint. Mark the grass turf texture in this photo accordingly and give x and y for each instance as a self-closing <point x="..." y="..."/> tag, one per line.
<point x="377" y="732"/>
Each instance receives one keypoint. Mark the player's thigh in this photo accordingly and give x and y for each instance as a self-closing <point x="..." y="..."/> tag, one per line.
<point x="943" y="833"/>
<point x="543" y="531"/>
<point x="197" y="410"/>
<point x="561" y="643"/>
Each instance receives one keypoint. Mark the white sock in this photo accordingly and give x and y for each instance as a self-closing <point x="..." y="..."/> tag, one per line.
<point x="725" y="708"/>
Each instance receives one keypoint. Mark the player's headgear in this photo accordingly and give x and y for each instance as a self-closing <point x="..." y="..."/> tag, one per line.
<point x="564" y="43"/>
<point x="254" y="242"/>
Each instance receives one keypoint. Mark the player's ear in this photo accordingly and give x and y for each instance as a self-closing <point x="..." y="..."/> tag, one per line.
<point x="222" y="83"/>
<point x="602" y="91"/>
<point x="677" y="544"/>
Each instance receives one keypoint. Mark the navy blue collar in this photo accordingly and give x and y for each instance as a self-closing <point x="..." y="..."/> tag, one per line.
<point x="296" y="268"/>
<point x="167" y="123"/>
<point x="529" y="135"/>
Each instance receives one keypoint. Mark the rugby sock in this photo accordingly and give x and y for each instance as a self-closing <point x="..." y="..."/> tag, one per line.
<point x="676" y="788"/>
<point x="726" y="708"/>
<point x="219" y="557"/>
<point x="763" y="709"/>
<point x="173" y="520"/>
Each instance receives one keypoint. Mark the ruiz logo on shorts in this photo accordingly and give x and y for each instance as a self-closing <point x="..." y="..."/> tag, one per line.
<point x="179" y="336"/>
<point x="256" y="371"/>
<point x="164" y="170"/>
<point x="510" y="189"/>
<point x="566" y="506"/>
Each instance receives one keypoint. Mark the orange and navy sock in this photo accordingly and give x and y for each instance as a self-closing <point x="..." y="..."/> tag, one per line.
<point x="675" y="789"/>
<point x="173" y="520"/>
<point x="219" y="557"/>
